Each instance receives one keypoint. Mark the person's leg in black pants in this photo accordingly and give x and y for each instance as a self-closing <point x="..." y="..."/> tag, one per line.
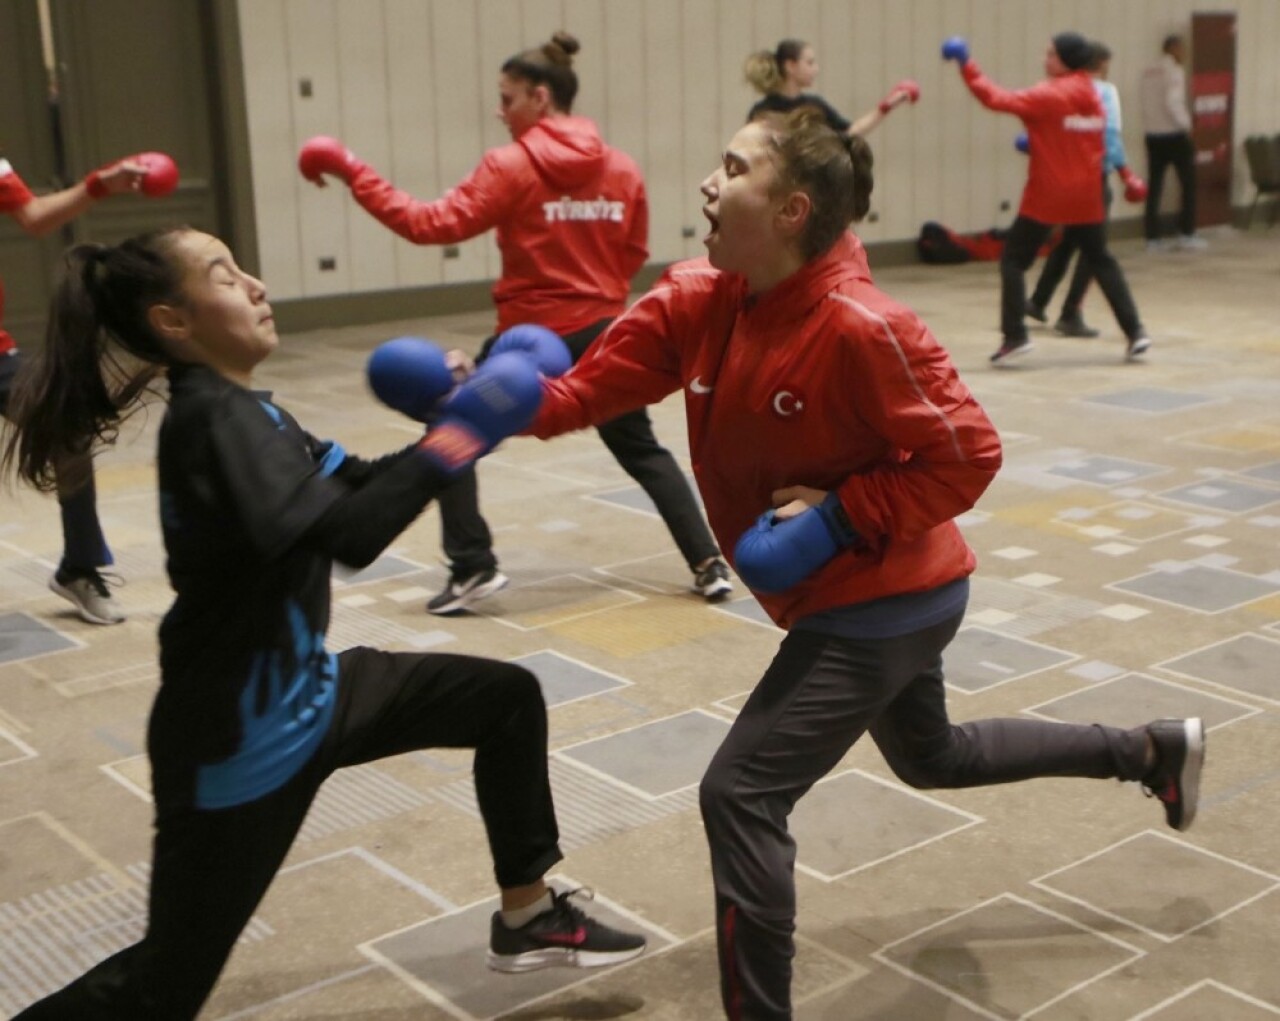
<point x="631" y="441"/>
<point x="1159" y="156"/>
<point x="1054" y="269"/>
<point x="1020" y="247"/>
<point x="820" y="694"/>
<point x="1092" y="239"/>
<point x="212" y="868"/>
<point x="1071" y="323"/>
<point x="1184" y="165"/>
<point x="466" y="540"/>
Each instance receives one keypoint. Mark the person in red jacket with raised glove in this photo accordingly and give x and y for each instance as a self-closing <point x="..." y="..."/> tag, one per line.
<point x="1064" y="120"/>
<point x="834" y="445"/>
<point x="78" y="577"/>
<point x="572" y="221"/>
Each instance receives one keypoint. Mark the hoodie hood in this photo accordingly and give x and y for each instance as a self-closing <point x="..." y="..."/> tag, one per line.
<point x="566" y="151"/>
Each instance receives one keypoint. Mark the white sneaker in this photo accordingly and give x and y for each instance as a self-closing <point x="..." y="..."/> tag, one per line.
<point x="1191" y="243"/>
<point x="459" y="593"/>
<point x="87" y="591"/>
<point x="712" y="582"/>
<point x="1137" y="347"/>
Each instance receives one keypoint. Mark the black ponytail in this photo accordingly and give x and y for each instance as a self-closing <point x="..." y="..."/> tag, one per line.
<point x="99" y="357"/>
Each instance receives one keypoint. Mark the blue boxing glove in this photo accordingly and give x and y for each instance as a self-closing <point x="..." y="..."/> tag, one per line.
<point x="499" y="399"/>
<point x="409" y="374"/>
<point x="1022" y="143"/>
<point x="773" y="555"/>
<point x="549" y="354"/>
<point x="956" y="48"/>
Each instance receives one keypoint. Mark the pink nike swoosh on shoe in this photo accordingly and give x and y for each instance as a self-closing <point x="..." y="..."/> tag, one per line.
<point x="572" y="939"/>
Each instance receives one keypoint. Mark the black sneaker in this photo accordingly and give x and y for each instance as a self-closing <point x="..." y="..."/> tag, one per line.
<point x="1074" y="326"/>
<point x="461" y="592"/>
<point x="1138" y="346"/>
<point x="563" y="936"/>
<point x="87" y="591"/>
<point x="1175" y="778"/>
<point x="1011" y="349"/>
<point x="1035" y="311"/>
<point x="712" y="582"/>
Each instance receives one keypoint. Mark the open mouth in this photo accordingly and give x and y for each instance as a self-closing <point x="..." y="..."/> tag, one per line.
<point x="715" y="224"/>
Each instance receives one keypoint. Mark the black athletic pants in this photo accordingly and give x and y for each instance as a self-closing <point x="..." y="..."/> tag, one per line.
<point x="1055" y="268"/>
<point x="468" y="543"/>
<point x="1020" y="247"/>
<point x="210" y="869"/>
<point x="817" y="698"/>
<point x="1164" y="151"/>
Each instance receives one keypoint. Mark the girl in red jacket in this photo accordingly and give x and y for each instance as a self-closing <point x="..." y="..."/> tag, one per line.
<point x="79" y="577"/>
<point x="1065" y="122"/>
<point x="834" y="444"/>
<point x="572" y="223"/>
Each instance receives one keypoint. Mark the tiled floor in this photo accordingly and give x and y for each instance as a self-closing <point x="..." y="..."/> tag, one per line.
<point x="1130" y="568"/>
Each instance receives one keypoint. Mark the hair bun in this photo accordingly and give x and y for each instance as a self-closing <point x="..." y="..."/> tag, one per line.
<point x="566" y="43"/>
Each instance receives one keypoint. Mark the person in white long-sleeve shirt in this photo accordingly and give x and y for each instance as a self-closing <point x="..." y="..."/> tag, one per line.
<point x="1166" y="122"/>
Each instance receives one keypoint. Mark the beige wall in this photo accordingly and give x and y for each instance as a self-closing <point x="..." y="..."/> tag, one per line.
<point x="410" y="85"/>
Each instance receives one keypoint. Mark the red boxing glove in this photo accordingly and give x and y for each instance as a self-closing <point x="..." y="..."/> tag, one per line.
<point x="1135" y="188"/>
<point x="907" y="89"/>
<point x="153" y="173"/>
<point x="324" y="155"/>
<point x="162" y="173"/>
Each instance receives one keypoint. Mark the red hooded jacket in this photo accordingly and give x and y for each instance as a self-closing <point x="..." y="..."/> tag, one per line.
<point x="571" y="215"/>
<point x="822" y="381"/>
<point x="14" y="194"/>
<point x="1065" y="123"/>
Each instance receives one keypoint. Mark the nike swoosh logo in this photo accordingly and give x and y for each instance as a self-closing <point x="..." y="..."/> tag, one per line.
<point x="698" y="387"/>
<point x="571" y="939"/>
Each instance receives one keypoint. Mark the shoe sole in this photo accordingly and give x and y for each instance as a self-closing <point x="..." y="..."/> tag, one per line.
<point x="473" y="595"/>
<point x="70" y="597"/>
<point x="1017" y="352"/>
<point x="1189" y="774"/>
<point x="716" y="591"/>
<point x="559" y="957"/>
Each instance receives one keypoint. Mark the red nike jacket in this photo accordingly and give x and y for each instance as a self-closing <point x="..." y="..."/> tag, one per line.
<point x="571" y="215"/>
<point x="821" y="381"/>
<point x="1065" y="123"/>
<point x="14" y="194"/>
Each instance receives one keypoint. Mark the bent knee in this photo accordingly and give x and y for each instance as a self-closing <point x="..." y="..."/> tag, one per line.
<point x="520" y="687"/>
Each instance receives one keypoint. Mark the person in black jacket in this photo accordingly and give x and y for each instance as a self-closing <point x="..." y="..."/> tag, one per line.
<point x="253" y="712"/>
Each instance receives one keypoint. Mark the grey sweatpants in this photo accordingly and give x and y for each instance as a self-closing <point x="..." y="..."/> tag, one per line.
<point x="817" y="698"/>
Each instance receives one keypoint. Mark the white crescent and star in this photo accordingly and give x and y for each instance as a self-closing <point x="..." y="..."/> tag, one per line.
<point x="786" y="403"/>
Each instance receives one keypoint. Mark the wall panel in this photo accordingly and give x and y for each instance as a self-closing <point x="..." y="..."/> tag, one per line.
<point x="664" y="99"/>
<point x="322" y="215"/>
<point x="624" y="58"/>
<point x="364" y="97"/>
<point x="460" y="108"/>
<point x="264" y="45"/>
<point x="411" y="115"/>
<point x="701" y="143"/>
<point x="734" y="39"/>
